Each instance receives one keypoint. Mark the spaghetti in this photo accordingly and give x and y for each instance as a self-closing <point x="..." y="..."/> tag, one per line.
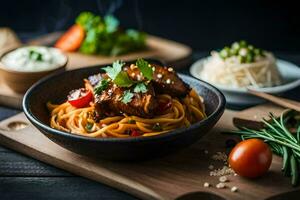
<point x="182" y="112"/>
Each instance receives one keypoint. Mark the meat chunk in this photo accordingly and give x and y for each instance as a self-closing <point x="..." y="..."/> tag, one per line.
<point x="109" y="102"/>
<point x="165" y="80"/>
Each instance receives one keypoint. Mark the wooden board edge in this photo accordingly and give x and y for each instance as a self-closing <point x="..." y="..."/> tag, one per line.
<point x="124" y="184"/>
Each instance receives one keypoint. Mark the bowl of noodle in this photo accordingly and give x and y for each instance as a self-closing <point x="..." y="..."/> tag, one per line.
<point x="107" y="141"/>
<point x="235" y="69"/>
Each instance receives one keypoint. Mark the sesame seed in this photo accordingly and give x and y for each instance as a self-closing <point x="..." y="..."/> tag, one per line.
<point x="223" y="179"/>
<point x="170" y="69"/>
<point x="153" y="68"/>
<point x="211" y="167"/>
<point x="168" y="81"/>
<point x="234" y="189"/>
<point x="206" y="151"/>
<point x="139" y="77"/>
<point x="220" y="185"/>
<point x="221" y="172"/>
<point x="132" y="66"/>
<point x="206" y="184"/>
<point x="159" y="75"/>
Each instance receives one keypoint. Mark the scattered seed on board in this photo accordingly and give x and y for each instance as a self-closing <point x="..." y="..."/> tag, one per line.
<point x="223" y="179"/>
<point x="206" y="151"/>
<point x="211" y="167"/>
<point x="220" y="156"/>
<point x="234" y="189"/>
<point x="220" y="185"/>
<point x="206" y="184"/>
<point x="221" y="172"/>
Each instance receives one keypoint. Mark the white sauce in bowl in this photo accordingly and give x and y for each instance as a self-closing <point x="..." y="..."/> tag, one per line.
<point x="33" y="59"/>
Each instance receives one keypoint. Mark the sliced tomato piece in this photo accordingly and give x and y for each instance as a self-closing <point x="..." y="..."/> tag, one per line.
<point x="80" y="98"/>
<point x="135" y="133"/>
<point x="71" y="39"/>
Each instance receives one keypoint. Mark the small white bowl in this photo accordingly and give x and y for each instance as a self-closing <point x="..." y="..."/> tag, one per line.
<point x="239" y="96"/>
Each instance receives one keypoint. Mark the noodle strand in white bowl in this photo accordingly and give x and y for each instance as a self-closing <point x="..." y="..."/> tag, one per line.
<point x="261" y="71"/>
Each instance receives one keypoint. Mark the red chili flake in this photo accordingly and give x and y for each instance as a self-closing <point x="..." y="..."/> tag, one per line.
<point x="135" y="133"/>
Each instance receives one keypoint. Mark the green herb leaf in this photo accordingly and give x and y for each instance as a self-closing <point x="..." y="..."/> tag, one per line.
<point x="140" y="87"/>
<point x="102" y="85"/>
<point x="123" y="80"/>
<point x="145" y="68"/>
<point x="89" y="126"/>
<point x="35" y="55"/>
<point x="111" y="23"/>
<point x="113" y="71"/>
<point x="127" y="96"/>
<point x="156" y="127"/>
<point x="131" y="121"/>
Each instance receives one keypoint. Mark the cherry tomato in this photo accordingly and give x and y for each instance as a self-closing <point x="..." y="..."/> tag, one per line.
<point x="71" y="39"/>
<point x="250" y="158"/>
<point x="80" y="98"/>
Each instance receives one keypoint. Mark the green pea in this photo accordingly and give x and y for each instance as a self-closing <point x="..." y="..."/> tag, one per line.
<point x="249" y="58"/>
<point x="250" y="47"/>
<point x="242" y="59"/>
<point x="235" y="45"/>
<point x="234" y="52"/>
<point x="258" y="52"/>
<point x="224" y="53"/>
<point x="243" y="43"/>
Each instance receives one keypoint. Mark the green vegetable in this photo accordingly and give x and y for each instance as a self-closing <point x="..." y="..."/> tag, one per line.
<point x="35" y="55"/>
<point x="140" y="87"/>
<point x="123" y="80"/>
<point x="116" y="68"/>
<point x="111" y="23"/>
<point x="102" y="85"/>
<point x="277" y="133"/>
<point x="118" y="76"/>
<point x="89" y="127"/>
<point x="145" y="68"/>
<point x="104" y="36"/>
<point x="156" y="127"/>
<point x="245" y="52"/>
<point x="131" y="121"/>
<point x="127" y="96"/>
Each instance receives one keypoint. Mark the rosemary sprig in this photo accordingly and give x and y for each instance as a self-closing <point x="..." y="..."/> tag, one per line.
<point x="283" y="142"/>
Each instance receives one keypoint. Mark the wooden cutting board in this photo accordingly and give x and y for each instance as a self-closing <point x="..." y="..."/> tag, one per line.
<point x="170" y="52"/>
<point x="177" y="176"/>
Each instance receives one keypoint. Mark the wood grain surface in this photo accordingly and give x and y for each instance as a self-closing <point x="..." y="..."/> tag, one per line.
<point x="179" y="175"/>
<point x="170" y="52"/>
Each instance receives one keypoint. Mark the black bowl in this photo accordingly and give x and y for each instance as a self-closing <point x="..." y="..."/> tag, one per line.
<point x="55" y="88"/>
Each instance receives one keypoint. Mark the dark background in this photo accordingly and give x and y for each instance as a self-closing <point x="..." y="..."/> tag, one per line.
<point x="204" y="25"/>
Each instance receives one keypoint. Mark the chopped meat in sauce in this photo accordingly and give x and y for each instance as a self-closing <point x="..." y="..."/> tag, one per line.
<point x="165" y="81"/>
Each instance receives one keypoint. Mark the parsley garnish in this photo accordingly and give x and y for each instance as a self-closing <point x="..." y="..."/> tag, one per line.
<point x="113" y="71"/>
<point x="123" y="80"/>
<point x="145" y="68"/>
<point x="127" y="96"/>
<point x="140" y="87"/>
<point x="89" y="126"/>
<point x="102" y="85"/>
<point x="118" y="76"/>
<point x="35" y="55"/>
<point x="157" y="127"/>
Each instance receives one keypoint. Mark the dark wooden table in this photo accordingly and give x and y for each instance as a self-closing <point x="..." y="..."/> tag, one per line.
<point x="22" y="177"/>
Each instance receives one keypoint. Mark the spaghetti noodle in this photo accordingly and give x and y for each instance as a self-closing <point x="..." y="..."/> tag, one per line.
<point x="182" y="113"/>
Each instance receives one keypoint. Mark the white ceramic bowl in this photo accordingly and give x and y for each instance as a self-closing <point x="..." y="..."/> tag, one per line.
<point x="239" y="96"/>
